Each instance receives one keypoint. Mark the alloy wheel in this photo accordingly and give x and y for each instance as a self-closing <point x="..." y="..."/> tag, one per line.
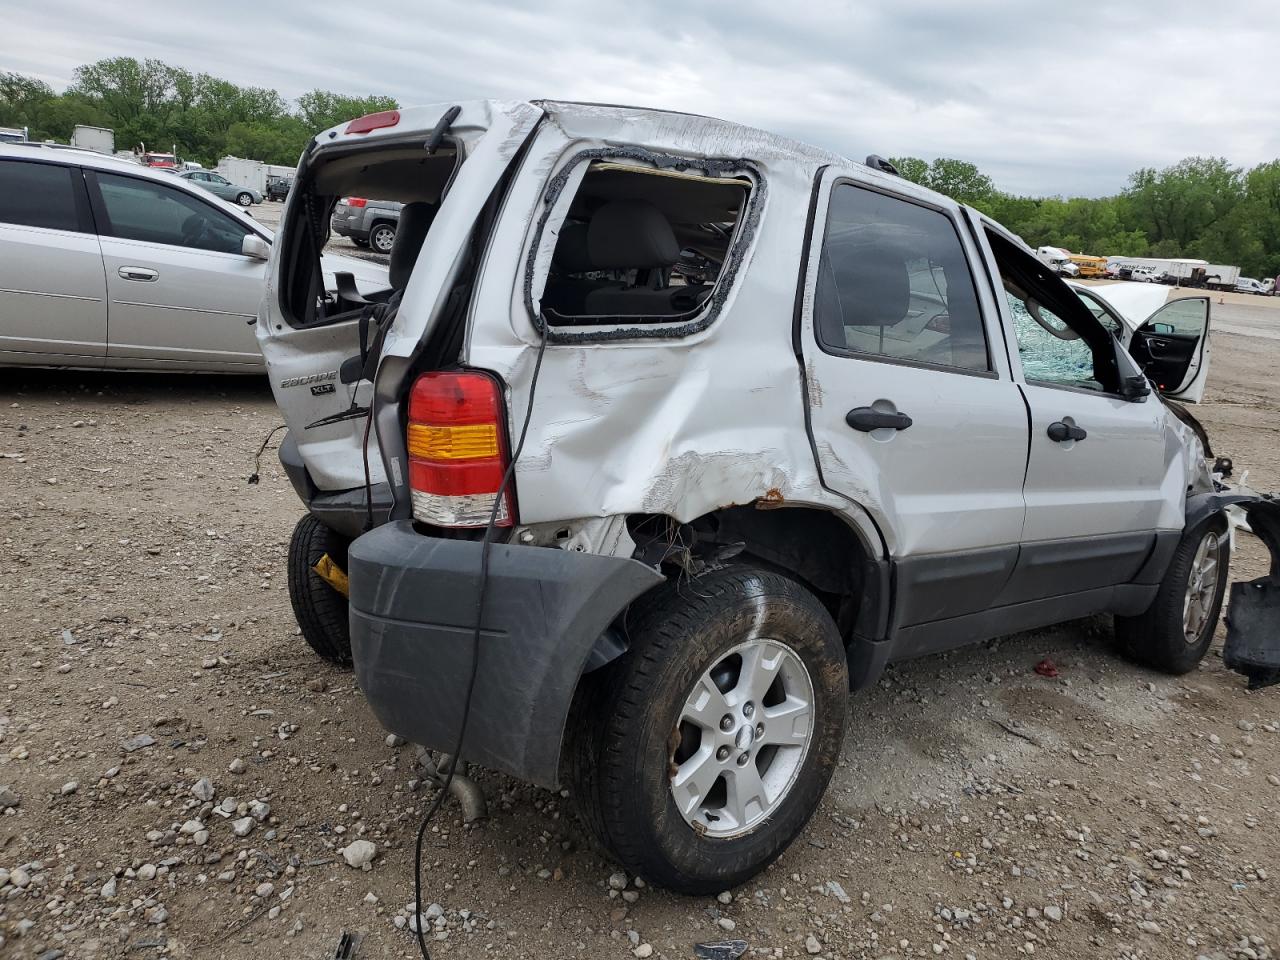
<point x="1202" y="587"/>
<point x="744" y="732"/>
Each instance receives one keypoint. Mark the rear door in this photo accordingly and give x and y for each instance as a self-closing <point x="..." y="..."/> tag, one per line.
<point x="912" y="406"/>
<point x="1172" y="347"/>
<point x="181" y="293"/>
<point x="53" y="307"/>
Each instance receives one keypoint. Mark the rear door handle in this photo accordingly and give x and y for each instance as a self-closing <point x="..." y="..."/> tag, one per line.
<point x="145" y="274"/>
<point x="867" y="419"/>
<point x="1060" y="432"/>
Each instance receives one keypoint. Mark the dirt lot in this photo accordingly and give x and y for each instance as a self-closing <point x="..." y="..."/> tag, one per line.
<point x="980" y="809"/>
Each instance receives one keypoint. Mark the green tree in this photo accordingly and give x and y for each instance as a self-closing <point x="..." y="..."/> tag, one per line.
<point x="321" y="109"/>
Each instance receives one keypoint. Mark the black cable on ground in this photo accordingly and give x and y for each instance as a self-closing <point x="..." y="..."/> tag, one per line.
<point x="456" y="756"/>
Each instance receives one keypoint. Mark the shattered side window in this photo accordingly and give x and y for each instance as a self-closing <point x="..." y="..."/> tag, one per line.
<point x="641" y="245"/>
<point x="1051" y="352"/>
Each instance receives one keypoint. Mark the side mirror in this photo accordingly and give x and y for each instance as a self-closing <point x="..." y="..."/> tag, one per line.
<point x="1162" y="328"/>
<point x="254" y="246"/>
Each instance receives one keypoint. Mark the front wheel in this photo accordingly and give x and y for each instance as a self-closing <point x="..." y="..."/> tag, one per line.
<point x="1176" y="631"/>
<point x="320" y="609"/>
<point x="244" y="199"/>
<point x="699" y="755"/>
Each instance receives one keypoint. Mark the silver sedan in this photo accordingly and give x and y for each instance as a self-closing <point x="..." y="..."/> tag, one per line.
<point x="107" y="264"/>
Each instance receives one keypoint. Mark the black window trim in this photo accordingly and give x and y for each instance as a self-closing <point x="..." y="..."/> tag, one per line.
<point x="79" y="194"/>
<point x="677" y="326"/>
<point x="103" y="219"/>
<point x="989" y="374"/>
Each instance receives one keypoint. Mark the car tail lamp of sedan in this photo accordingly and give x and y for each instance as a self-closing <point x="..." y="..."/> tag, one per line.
<point x="458" y="451"/>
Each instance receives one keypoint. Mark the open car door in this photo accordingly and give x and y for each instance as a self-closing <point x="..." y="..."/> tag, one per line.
<point x="1172" y="347"/>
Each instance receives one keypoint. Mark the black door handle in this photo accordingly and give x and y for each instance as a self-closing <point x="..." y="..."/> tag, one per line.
<point x="1060" y="432"/>
<point x="867" y="419"/>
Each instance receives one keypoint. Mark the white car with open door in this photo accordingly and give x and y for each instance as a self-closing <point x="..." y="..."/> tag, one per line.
<point x="1168" y="338"/>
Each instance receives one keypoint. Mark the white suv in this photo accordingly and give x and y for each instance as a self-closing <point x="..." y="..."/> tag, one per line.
<point x="667" y="433"/>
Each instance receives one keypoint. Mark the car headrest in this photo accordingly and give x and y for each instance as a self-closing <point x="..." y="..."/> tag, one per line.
<point x="572" y="252"/>
<point x="631" y="234"/>
<point x="874" y="289"/>
<point x="415" y="221"/>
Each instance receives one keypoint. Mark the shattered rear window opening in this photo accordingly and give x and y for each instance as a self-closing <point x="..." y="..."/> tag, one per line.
<point x="414" y="182"/>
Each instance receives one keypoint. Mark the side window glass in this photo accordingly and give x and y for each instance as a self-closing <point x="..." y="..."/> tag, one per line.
<point x="1182" y="318"/>
<point x="38" y="195"/>
<point x="1051" y="351"/>
<point x="1099" y="312"/>
<point x="142" y="210"/>
<point x="893" y="282"/>
<point x="1061" y="341"/>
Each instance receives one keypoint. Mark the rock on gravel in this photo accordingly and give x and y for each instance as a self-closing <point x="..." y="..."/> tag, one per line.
<point x="236" y="766"/>
<point x="359" y="853"/>
<point x="202" y="789"/>
<point x="8" y="798"/>
<point x="243" y="827"/>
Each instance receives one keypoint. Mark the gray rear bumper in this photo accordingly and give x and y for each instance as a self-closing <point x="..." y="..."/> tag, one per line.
<point x="413" y="606"/>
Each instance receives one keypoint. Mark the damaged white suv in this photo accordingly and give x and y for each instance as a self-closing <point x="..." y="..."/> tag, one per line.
<point x="668" y="433"/>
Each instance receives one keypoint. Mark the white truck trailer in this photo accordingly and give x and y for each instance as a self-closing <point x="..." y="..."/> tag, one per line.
<point x="98" y="139"/>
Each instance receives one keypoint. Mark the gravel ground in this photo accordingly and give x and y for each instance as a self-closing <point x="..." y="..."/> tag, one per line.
<point x="183" y="777"/>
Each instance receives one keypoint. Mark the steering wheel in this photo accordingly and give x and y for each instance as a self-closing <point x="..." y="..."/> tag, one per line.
<point x="1033" y="309"/>
<point x="194" y="230"/>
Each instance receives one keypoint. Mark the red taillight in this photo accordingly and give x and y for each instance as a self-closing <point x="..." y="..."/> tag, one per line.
<point x="457" y="450"/>
<point x="355" y="201"/>
<point x="374" y="121"/>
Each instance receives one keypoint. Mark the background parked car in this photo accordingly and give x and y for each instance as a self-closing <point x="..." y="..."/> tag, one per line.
<point x="1250" y="285"/>
<point x="220" y="186"/>
<point x="179" y="272"/>
<point x="369" y="223"/>
<point x="278" y="187"/>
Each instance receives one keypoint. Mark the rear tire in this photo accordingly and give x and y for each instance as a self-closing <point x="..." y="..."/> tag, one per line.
<point x="321" y="610"/>
<point x="382" y="237"/>
<point x="659" y="773"/>
<point x="1176" y="631"/>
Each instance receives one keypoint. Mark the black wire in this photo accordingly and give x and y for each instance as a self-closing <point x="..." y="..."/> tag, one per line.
<point x="257" y="457"/>
<point x="456" y="756"/>
<point x="368" y="481"/>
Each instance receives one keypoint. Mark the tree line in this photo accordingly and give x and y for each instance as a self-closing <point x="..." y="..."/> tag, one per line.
<point x="150" y="102"/>
<point x="1201" y="207"/>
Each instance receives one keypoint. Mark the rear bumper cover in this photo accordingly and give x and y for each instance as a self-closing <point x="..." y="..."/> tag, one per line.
<point x="413" y="607"/>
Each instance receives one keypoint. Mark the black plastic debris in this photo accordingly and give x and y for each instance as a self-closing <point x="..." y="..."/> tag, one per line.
<point x="1253" y="617"/>
<point x="348" y="946"/>
<point x="720" y="950"/>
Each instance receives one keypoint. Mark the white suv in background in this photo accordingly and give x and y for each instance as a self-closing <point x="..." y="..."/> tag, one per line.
<point x="666" y="433"/>
<point x="107" y="264"/>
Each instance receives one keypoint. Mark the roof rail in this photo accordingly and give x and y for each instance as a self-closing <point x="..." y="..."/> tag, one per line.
<point x="877" y="162"/>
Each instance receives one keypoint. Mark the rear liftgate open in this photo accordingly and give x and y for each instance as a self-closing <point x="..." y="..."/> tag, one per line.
<point x="1253" y="617"/>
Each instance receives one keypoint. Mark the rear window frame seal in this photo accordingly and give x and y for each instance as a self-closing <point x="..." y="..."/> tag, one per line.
<point x="707" y="313"/>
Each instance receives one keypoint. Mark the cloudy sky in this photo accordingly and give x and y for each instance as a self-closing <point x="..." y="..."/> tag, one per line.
<point x="1048" y="98"/>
